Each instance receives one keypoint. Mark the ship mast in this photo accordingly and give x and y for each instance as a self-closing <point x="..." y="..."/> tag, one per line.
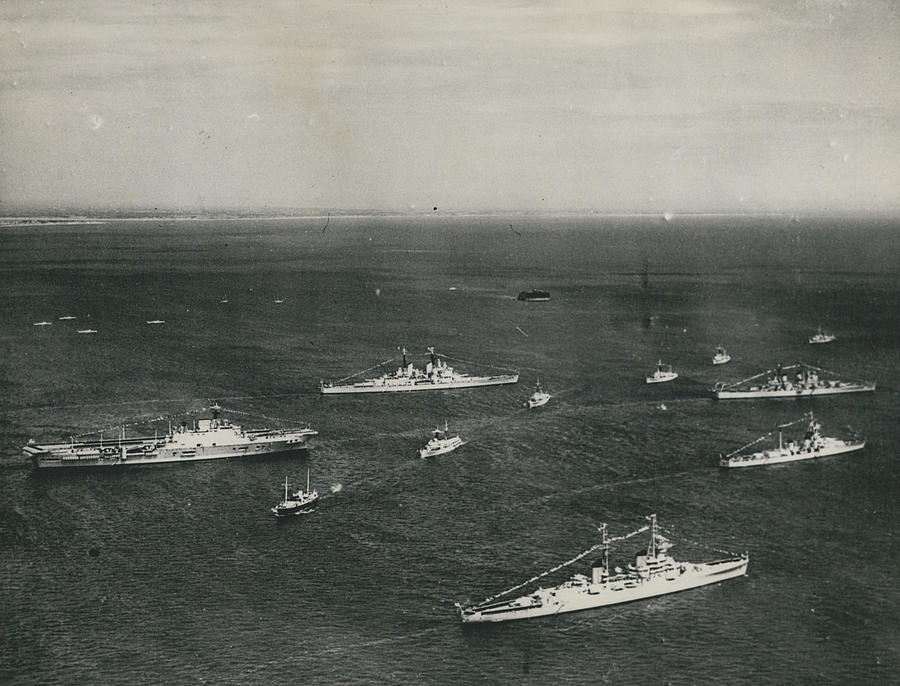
<point x="654" y="532"/>
<point x="605" y="541"/>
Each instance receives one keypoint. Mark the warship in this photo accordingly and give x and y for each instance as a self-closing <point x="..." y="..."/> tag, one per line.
<point x="209" y="439"/>
<point x="653" y="573"/>
<point x="807" y="380"/>
<point x="437" y="375"/>
<point x="813" y="444"/>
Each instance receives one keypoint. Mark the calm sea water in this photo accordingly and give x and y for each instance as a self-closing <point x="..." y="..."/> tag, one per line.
<point x="179" y="574"/>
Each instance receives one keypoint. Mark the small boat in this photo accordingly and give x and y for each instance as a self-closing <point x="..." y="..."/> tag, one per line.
<point x="821" y="337"/>
<point x="441" y="442"/>
<point x="66" y="317"/>
<point x="663" y="373"/>
<point x="813" y="444"/>
<point x="296" y="503"/>
<point x="278" y="301"/>
<point x="87" y="330"/>
<point x="721" y="357"/>
<point x="42" y="323"/>
<point x="533" y="296"/>
<point x="539" y="397"/>
<point x="156" y="321"/>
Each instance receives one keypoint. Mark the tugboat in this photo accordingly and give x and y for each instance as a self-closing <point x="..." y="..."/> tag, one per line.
<point x="721" y="357"/>
<point x="652" y="573"/>
<point x="663" y="373"/>
<point x="807" y="380"/>
<point x="813" y="444"/>
<point x="297" y="503"/>
<point x="534" y="296"/>
<point x="821" y="337"/>
<point x="539" y="397"/>
<point x="441" y="442"/>
<point x="438" y="375"/>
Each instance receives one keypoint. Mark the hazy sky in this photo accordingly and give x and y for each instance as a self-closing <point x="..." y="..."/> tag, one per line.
<point x="628" y="105"/>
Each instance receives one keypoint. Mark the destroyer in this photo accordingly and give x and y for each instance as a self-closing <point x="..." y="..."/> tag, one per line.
<point x="652" y="573"/>
<point x="210" y="439"/>
<point x="438" y="375"/>
<point x="807" y="380"/>
<point x="813" y="444"/>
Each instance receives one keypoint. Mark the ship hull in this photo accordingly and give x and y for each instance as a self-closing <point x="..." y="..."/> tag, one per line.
<point x="420" y="386"/>
<point x="661" y="379"/>
<point x="778" y="456"/>
<point x="792" y="393"/>
<point x="283" y="512"/>
<point x="165" y="455"/>
<point x="589" y="596"/>
<point x="425" y="453"/>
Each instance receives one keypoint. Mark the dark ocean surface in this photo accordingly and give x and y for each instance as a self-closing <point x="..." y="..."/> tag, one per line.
<point x="180" y="575"/>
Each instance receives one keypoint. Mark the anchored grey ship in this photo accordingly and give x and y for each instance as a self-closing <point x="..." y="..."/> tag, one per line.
<point x="210" y="439"/>
<point x="805" y="381"/>
<point x="437" y="375"/>
<point x="651" y="574"/>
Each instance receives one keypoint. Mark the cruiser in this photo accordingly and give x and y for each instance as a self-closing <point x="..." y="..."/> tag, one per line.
<point x="438" y="375"/>
<point x="441" y="442"/>
<point x="813" y="444"/>
<point x="210" y="439"/>
<point x="652" y="573"/>
<point x="807" y="380"/>
<point x="663" y="373"/>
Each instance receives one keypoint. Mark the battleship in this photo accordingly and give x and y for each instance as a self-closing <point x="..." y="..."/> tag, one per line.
<point x="437" y="375"/>
<point x="653" y="573"/>
<point x="807" y="380"/>
<point x="209" y="439"/>
<point x="813" y="444"/>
